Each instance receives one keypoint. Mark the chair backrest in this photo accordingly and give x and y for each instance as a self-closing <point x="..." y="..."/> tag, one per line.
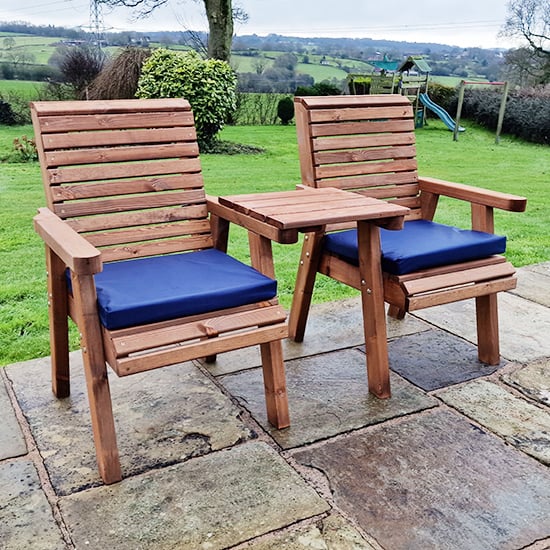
<point x="362" y="143"/>
<point x="125" y="174"/>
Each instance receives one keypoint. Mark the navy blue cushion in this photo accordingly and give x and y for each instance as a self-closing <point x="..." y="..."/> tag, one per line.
<point x="146" y="290"/>
<point x="421" y="244"/>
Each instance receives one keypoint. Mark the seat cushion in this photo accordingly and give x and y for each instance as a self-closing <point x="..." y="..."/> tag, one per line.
<point x="421" y="244"/>
<point x="146" y="290"/>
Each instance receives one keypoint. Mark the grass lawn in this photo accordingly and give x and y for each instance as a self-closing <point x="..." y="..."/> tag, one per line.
<point x="512" y="166"/>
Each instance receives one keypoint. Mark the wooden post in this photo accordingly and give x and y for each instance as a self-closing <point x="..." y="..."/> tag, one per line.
<point x="501" y="111"/>
<point x="459" y="109"/>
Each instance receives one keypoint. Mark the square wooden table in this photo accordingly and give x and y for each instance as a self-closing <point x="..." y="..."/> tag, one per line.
<point x="280" y="216"/>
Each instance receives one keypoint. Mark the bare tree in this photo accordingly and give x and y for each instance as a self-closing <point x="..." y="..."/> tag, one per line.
<point x="219" y="13"/>
<point x="530" y="20"/>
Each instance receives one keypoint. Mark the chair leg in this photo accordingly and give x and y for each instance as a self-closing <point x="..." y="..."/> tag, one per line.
<point x="396" y="312"/>
<point x="275" y="384"/>
<point x="59" y="326"/>
<point x="488" y="349"/>
<point x="303" y="290"/>
<point x="95" y="369"/>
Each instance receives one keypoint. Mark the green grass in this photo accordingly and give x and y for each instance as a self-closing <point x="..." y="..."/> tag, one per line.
<point x="28" y="89"/>
<point x="513" y="166"/>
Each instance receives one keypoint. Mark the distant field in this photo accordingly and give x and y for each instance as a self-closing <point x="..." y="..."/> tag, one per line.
<point x="23" y="88"/>
<point x="453" y="81"/>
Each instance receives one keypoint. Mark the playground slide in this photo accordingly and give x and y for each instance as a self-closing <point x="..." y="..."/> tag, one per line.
<point x="440" y="112"/>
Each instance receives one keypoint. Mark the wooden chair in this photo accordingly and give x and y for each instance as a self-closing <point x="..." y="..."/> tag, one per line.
<point x="366" y="144"/>
<point x="131" y="258"/>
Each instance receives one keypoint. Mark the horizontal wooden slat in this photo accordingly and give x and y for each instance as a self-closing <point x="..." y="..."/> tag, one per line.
<point x="360" y="113"/>
<point x="156" y="248"/>
<point x="145" y="217"/>
<point x="346" y="101"/>
<point x="150" y="233"/>
<point x="67" y="108"/>
<point x="126" y="170"/>
<point x="364" y="155"/>
<point x="68" y="140"/>
<point x="114" y="121"/>
<point x="77" y="191"/>
<point x="212" y="346"/>
<point x="216" y="324"/>
<point x="460" y="293"/>
<point x="367" y="127"/>
<point x="358" y="141"/>
<point x="459" y="277"/>
<point x="138" y="202"/>
<point x="121" y="154"/>
<point x="370" y="180"/>
<point x="355" y="169"/>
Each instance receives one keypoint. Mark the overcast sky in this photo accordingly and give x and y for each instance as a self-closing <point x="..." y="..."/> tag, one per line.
<point x="455" y="22"/>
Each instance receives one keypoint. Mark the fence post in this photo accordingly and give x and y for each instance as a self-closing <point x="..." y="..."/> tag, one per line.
<point x="459" y="109"/>
<point x="501" y="112"/>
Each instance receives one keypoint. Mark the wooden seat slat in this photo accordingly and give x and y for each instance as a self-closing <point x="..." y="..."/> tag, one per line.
<point x="358" y="141"/>
<point x="330" y="129"/>
<point x="364" y="155"/>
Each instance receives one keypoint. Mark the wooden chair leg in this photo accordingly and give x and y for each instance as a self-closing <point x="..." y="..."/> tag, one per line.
<point x="396" y="312"/>
<point x="488" y="349"/>
<point x="59" y="326"/>
<point x="95" y="369"/>
<point x="303" y="289"/>
<point x="275" y="384"/>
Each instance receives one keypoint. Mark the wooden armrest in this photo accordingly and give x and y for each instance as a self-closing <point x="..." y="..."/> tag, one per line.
<point x="472" y="194"/>
<point x="74" y="250"/>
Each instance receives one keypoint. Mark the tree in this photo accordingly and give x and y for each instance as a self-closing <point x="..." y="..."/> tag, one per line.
<point x="530" y="20"/>
<point x="219" y="13"/>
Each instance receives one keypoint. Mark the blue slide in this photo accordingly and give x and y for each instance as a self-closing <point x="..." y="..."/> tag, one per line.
<point x="440" y="112"/>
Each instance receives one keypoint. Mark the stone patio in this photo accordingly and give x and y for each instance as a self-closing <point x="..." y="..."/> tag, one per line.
<point x="458" y="458"/>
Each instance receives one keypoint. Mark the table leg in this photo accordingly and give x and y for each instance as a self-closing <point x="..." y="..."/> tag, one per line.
<point x="374" y="315"/>
<point x="261" y="254"/>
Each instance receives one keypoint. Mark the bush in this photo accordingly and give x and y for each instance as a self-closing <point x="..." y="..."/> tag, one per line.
<point x="209" y="86"/>
<point x="119" y="78"/>
<point x="6" y="114"/>
<point x="319" y="88"/>
<point x="285" y="110"/>
<point x="445" y="96"/>
<point x="24" y="150"/>
<point x="527" y="114"/>
<point x="256" y="108"/>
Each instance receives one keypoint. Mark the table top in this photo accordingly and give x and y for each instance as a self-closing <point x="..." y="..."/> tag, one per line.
<point x="303" y="209"/>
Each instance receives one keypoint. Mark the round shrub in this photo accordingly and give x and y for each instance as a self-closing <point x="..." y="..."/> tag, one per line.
<point x="7" y="115"/>
<point x="209" y="86"/>
<point x="285" y="110"/>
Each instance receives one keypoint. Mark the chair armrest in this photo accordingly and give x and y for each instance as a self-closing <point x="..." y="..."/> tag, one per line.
<point x="477" y="195"/>
<point x="74" y="250"/>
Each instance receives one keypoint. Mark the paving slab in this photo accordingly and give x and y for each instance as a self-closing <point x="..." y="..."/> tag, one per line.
<point x="519" y="422"/>
<point x="210" y="502"/>
<point x="524" y="325"/>
<point x="331" y="326"/>
<point x="532" y="380"/>
<point x="328" y="394"/>
<point x="12" y="441"/>
<point x="435" y="481"/>
<point x="162" y="416"/>
<point x="534" y="284"/>
<point x="435" y="359"/>
<point x="330" y="533"/>
<point x="26" y="519"/>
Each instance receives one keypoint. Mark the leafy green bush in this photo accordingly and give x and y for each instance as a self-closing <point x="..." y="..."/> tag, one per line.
<point x="256" y="109"/>
<point x="285" y="110"/>
<point x="209" y="86"/>
<point x="445" y="96"/>
<point x="319" y="88"/>
<point x="527" y="114"/>
<point x="24" y="150"/>
<point x="6" y="114"/>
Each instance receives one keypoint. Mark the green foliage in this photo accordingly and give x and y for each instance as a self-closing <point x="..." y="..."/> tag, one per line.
<point x="24" y="150"/>
<point x="443" y="95"/>
<point x="209" y="86"/>
<point x="256" y="109"/>
<point x="285" y="110"/>
<point x="319" y="88"/>
<point x="6" y="114"/>
<point x="527" y="114"/>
